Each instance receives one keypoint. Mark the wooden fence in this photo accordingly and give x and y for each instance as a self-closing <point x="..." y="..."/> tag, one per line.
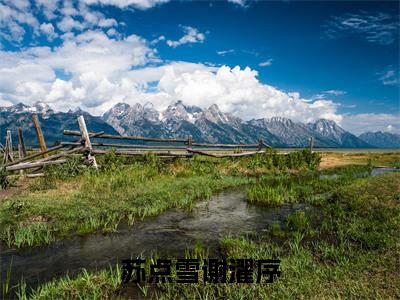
<point x="87" y="144"/>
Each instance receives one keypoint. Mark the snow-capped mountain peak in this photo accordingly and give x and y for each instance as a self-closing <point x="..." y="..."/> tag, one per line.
<point x="327" y="128"/>
<point x="41" y="108"/>
<point x="38" y="107"/>
<point x="209" y="125"/>
<point x="178" y="112"/>
<point x="213" y="125"/>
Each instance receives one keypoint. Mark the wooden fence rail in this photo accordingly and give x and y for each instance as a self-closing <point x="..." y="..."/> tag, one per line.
<point x="127" y="137"/>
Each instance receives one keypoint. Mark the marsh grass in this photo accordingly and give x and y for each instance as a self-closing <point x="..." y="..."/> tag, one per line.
<point x="271" y="160"/>
<point x="5" y="284"/>
<point x="344" y="260"/>
<point x="33" y="234"/>
<point x="276" y="230"/>
<point x="270" y="196"/>
<point x="86" y="285"/>
<point x="298" y="221"/>
<point x="309" y="186"/>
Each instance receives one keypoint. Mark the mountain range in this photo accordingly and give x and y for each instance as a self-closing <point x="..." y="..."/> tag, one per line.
<point x="209" y="125"/>
<point x="381" y="139"/>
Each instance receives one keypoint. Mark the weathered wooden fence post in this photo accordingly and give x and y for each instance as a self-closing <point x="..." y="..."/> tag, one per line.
<point x="311" y="143"/>
<point x="4" y="150"/>
<point x="21" y="142"/>
<point x="190" y="142"/>
<point x="9" y="146"/>
<point x="86" y="138"/>
<point x="20" y="156"/>
<point x="260" y="144"/>
<point x="39" y="133"/>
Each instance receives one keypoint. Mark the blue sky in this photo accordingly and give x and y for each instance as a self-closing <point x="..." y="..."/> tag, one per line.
<point x="302" y="60"/>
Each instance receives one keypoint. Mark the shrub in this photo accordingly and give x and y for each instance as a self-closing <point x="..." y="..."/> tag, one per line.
<point x="303" y="159"/>
<point x="4" y="181"/>
<point x="70" y="169"/>
<point x="110" y="161"/>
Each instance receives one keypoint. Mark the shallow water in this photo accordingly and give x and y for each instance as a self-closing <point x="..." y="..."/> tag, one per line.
<point x="374" y="172"/>
<point x="379" y="171"/>
<point x="169" y="234"/>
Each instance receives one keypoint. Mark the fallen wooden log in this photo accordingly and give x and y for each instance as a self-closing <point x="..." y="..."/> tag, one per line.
<point x="225" y="145"/>
<point x="266" y="145"/>
<point x="34" y="155"/>
<point x="80" y="149"/>
<point x="226" y="155"/>
<point x="24" y="166"/>
<point x="133" y="153"/>
<point x="126" y="137"/>
<point x="34" y="175"/>
<point x="129" y="146"/>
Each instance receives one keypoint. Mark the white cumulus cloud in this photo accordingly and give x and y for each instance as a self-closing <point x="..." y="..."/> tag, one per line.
<point x="192" y="35"/>
<point x="98" y="71"/>
<point x="140" y="4"/>
<point x="95" y="66"/>
<point x="238" y="91"/>
<point x="48" y="30"/>
<point x="359" y="123"/>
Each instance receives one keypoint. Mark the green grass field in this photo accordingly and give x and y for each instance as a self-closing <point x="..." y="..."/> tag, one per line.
<point x="349" y="250"/>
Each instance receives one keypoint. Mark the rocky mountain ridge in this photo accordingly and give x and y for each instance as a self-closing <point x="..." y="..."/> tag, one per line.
<point x="209" y="125"/>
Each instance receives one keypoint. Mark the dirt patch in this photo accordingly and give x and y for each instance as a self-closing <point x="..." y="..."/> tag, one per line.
<point x="36" y="219"/>
<point x="20" y="185"/>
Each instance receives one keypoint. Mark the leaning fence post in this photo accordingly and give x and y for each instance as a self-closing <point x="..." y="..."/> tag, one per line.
<point x="39" y="133"/>
<point x="21" y="142"/>
<point x="311" y="143"/>
<point x="9" y="145"/>
<point x="85" y="137"/>
<point x="21" y="147"/>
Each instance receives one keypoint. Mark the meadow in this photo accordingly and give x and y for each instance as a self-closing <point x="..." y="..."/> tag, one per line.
<point x="349" y="249"/>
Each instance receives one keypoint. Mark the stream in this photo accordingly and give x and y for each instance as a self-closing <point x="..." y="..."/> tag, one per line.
<point x="169" y="234"/>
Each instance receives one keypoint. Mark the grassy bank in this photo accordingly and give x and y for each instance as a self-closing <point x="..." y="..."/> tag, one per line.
<point x="351" y="252"/>
<point x="309" y="186"/>
<point x="74" y="200"/>
<point x="334" y="159"/>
